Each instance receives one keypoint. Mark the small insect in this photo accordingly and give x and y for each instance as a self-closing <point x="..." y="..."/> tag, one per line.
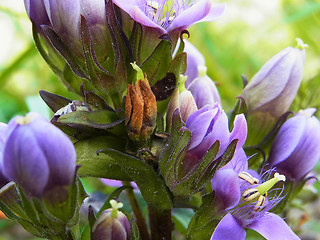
<point x="260" y="203"/>
<point x="71" y="107"/>
<point x="247" y="177"/>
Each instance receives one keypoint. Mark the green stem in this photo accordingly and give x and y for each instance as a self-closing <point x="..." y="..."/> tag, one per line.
<point x="143" y="229"/>
<point x="160" y="223"/>
<point x="75" y="232"/>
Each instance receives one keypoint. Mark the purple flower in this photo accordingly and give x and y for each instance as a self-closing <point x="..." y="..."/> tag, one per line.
<point x="194" y="60"/>
<point x="167" y="17"/>
<point x="295" y="150"/>
<point x="111" y="224"/>
<point x="234" y="196"/>
<point x="203" y="89"/>
<point x="38" y="156"/>
<point x="274" y="87"/>
<point x="208" y="125"/>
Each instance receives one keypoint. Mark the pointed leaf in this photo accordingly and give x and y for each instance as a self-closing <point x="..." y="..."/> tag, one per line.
<point x="157" y="64"/>
<point x="54" y="102"/>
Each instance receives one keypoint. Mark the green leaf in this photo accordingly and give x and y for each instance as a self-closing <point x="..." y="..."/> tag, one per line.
<point x="157" y="64"/>
<point x="54" y="102"/>
<point x="31" y="228"/>
<point x="151" y="186"/>
<point x="100" y="166"/>
<point x="205" y="219"/>
<point x="103" y="119"/>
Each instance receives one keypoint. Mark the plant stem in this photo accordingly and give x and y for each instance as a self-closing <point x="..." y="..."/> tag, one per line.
<point x="160" y="223"/>
<point x="143" y="229"/>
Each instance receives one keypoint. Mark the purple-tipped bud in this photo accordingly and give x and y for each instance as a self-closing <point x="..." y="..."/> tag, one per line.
<point x="295" y="150"/>
<point x="37" y="12"/>
<point x="38" y="156"/>
<point x="274" y="87"/>
<point x="111" y="224"/>
<point x="203" y="89"/>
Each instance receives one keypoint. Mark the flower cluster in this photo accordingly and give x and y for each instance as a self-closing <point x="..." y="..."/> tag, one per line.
<point x="149" y="116"/>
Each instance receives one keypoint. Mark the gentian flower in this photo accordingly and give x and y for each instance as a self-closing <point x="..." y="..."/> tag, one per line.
<point x="274" y="87"/>
<point x="208" y="125"/>
<point x="168" y="17"/>
<point x="38" y="156"/>
<point x="244" y="200"/>
<point x="111" y="224"/>
<point x="295" y="150"/>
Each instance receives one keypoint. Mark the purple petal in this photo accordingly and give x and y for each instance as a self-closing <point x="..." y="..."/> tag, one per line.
<point x="58" y="150"/>
<point x="204" y="91"/>
<point x="64" y="16"/>
<point x="36" y="11"/>
<point x="194" y="59"/>
<point x="239" y="161"/>
<point x="271" y="226"/>
<point x="194" y="14"/>
<point x="225" y="184"/>
<point x="199" y="127"/>
<point x="197" y="113"/>
<point x="25" y="165"/>
<point x="228" y="229"/>
<point x="132" y="8"/>
<point x="287" y="139"/>
<point x="239" y="130"/>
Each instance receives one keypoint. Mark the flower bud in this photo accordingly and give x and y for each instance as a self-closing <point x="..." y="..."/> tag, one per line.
<point x="295" y="150"/>
<point x="111" y="224"/>
<point x="38" y="156"/>
<point x="208" y="125"/>
<point x="203" y="89"/>
<point x="140" y="110"/>
<point x="194" y="60"/>
<point x="274" y="87"/>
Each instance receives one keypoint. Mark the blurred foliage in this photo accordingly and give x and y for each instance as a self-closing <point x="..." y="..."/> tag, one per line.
<point x="249" y="33"/>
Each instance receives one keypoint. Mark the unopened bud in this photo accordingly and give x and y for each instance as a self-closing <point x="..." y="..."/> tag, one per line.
<point x="140" y="110"/>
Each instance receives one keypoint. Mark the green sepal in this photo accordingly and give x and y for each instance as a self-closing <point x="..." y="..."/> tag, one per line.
<point x="151" y="186"/>
<point x="91" y="218"/>
<point x="135" y="234"/>
<point x="10" y="198"/>
<point x="72" y="81"/>
<point x="86" y="233"/>
<point x="54" y="102"/>
<point x="8" y="212"/>
<point x="157" y="64"/>
<point x="121" y="48"/>
<point x="43" y="53"/>
<point x="28" y="207"/>
<point x="31" y="228"/>
<point x="135" y="40"/>
<point x="74" y="63"/>
<point x="100" y="166"/>
<point x="205" y="219"/>
<point x="239" y="108"/>
<point x="178" y="65"/>
<point x="175" y="144"/>
<point x="103" y="80"/>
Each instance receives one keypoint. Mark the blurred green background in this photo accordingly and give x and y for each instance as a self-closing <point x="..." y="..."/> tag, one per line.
<point x="249" y="33"/>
